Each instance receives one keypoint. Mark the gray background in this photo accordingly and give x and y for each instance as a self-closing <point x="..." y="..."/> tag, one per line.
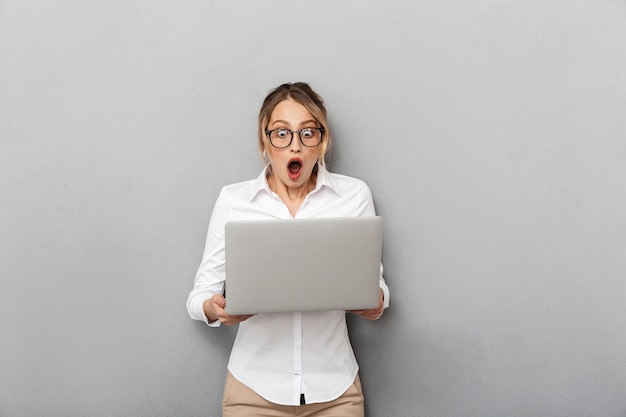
<point x="492" y="134"/>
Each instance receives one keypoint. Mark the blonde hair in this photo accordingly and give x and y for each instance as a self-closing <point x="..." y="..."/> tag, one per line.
<point x="301" y="93"/>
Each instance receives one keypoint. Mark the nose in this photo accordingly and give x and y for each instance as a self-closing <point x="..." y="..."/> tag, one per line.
<point x="295" y="143"/>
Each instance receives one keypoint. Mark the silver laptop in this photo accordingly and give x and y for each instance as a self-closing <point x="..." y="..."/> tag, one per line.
<point x="277" y="266"/>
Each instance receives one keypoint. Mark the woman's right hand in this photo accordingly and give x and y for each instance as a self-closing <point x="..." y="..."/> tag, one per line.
<point x="214" y="310"/>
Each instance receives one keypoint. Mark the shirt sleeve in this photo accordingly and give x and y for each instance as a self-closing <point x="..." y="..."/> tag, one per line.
<point x="210" y="277"/>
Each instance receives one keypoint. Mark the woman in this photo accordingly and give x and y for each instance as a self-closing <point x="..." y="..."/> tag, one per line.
<point x="299" y="363"/>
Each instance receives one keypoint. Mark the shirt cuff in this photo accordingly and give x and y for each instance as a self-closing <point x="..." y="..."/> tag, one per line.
<point x="215" y="323"/>
<point x="385" y="296"/>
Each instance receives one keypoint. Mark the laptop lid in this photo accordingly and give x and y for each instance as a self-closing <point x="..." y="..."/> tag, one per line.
<point x="275" y="266"/>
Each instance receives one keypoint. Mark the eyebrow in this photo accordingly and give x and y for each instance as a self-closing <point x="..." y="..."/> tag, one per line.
<point x="301" y="123"/>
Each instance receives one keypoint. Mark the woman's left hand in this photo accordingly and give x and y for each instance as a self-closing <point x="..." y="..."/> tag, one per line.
<point x="372" y="313"/>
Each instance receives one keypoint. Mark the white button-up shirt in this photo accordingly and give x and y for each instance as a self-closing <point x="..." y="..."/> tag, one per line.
<point x="280" y="356"/>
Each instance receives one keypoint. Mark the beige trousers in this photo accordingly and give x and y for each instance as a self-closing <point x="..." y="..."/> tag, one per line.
<point x="241" y="401"/>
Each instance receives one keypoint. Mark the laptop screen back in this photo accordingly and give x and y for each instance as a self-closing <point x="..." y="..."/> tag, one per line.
<point x="275" y="266"/>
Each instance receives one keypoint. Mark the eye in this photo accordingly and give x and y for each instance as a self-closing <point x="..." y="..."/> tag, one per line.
<point x="307" y="133"/>
<point x="282" y="133"/>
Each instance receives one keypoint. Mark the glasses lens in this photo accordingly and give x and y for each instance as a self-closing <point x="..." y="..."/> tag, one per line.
<point x="280" y="138"/>
<point x="311" y="136"/>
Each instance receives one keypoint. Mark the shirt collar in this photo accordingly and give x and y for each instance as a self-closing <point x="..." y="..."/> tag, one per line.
<point x="324" y="179"/>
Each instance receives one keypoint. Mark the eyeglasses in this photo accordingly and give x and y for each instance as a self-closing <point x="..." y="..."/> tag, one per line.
<point x="309" y="136"/>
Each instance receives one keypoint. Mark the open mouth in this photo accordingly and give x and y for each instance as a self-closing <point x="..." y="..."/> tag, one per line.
<point x="294" y="168"/>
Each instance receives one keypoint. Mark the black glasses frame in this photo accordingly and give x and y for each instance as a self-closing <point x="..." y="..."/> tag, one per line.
<point x="269" y="136"/>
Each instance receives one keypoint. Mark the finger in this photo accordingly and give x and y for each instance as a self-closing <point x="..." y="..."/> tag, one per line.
<point x="232" y="320"/>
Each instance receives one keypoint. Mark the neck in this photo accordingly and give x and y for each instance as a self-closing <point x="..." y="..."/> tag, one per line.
<point x="292" y="196"/>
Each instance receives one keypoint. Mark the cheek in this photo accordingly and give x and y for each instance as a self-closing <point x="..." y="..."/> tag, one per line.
<point x="315" y="154"/>
<point x="271" y="154"/>
<point x="317" y="158"/>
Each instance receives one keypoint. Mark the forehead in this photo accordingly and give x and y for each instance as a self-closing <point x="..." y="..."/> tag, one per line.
<point x="290" y="111"/>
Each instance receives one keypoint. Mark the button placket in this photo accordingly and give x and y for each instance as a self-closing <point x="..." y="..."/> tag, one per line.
<point x="297" y="344"/>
